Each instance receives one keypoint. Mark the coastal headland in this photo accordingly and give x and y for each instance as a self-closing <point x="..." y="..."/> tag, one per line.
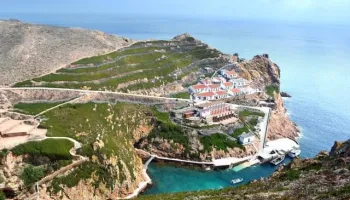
<point x="81" y="131"/>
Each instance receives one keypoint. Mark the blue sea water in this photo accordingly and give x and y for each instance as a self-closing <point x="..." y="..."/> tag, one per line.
<point x="315" y="69"/>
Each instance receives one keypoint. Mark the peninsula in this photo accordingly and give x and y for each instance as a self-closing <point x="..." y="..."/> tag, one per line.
<point x="81" y="128"/>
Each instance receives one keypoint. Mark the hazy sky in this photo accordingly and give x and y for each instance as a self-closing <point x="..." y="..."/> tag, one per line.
<point x="337" y="11"/>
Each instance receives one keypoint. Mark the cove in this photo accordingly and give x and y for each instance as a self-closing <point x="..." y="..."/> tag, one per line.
<point x="169" y="179"/>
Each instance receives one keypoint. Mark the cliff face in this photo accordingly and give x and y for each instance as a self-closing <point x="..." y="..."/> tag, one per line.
<point x="327" y="176"/>
<point x="263" y="72"/>
<point x="28" y="51"/>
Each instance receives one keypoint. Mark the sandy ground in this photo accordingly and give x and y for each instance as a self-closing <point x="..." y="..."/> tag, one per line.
<point x="10" y="142"/>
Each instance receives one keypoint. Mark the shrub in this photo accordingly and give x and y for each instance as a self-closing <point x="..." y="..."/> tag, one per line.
<point x="2" y="196"/>
<point x="31" y="174"/>
<point x="239" y="131"/>
<point x="219" y="141"/>
<point x="271" y="89"/>
<point x="55" y="149"/>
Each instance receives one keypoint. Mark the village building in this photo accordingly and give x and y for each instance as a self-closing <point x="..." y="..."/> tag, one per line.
<point x="221" y="94"/>
<point x="206" y="81"/>
<point x="235" y="92"/>
<point x="246" y="138"/>
<point x="215" y="112"/>
<point x="198" y="88"/>
<point x="204" y="96"/>
<point x="227" y="85"/>
<point x="248" y="90"/>
<point x="218" y="80"/>
<point x="239" y="82"/>
<point x="213" y="87"/>
<point x="229" y="74"/>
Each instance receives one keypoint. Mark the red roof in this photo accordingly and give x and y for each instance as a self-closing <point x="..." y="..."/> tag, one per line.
<point x="206" y="94"/>
<point x="235" y="90"/>
<point x="199" y="86"/>
<point x="213" y="86"/>
<point x="230" y="72"/>
<point x="227" y="84"/>
<point x="221" y="92"/>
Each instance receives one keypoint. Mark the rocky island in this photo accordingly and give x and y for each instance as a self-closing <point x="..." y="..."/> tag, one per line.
<point x="82" y="131"/>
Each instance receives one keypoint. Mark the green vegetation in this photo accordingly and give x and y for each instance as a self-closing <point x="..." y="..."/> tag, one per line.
<point x="84" y="122"/>
<point x="271" y="90"/>
<point x="83" y="172"/>
<point x="102" y="58"/>
<point x="32" y="174"/>
<point x="1" y="179"/>
<point x="239" y="131"/>
<point x="181" y="95"/>
<point x="34" y="108"/>
<point x="218" y="141"/>
<point x="2" y="196"/>
<point x="55" y="149"/>
<point x="168" y="130"/>
<point x="291" y="175"/>
<point x="246" y="113"/>
<point x="154" y="65"/>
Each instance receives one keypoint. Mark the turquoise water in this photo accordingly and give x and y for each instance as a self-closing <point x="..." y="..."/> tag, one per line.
<point x="315" y="69"/>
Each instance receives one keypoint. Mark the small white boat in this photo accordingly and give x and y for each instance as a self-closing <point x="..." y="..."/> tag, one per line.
<point x="294" y="153"/>
<point x="277" y="160"/>
<point x="237" y="180"/>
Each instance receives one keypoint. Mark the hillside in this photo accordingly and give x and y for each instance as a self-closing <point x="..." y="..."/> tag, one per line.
<point x="327" y="176"/>
<point x="109" y="126"/>
<point x="29" y="51"/>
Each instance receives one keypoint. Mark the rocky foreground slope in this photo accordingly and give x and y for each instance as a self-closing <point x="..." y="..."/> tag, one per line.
<point x="327" y="176"/>
<point x="29" y="51"/>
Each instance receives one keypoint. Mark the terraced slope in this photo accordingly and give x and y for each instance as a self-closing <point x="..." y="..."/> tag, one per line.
<point x="143" y="65"/>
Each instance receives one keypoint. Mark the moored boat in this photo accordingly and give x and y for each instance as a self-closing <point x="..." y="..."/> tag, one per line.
<point x="277" y="160"/>
<point x="237" y="180"/>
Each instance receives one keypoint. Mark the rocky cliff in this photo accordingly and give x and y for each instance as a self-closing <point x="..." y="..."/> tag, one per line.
<point x="29" y="51"/>
<point x="264" y="73"/>
<point x="325" y="177"/>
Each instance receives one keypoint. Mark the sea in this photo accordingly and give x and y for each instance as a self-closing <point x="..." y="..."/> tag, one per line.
<point x="315" y="69"/>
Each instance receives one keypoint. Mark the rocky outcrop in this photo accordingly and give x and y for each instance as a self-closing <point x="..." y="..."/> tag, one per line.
<point x="28" y="51"/>
<point x="280" y="125"/>
<point x="261" y="70"/>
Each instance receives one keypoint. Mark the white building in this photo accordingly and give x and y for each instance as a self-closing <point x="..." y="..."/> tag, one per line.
<point x="204" y="96"/>
<point x="213" y="87"/>
<point x="206" y="81"/>
<point x="227" y="85"/>
<point x="248" y="90"/>
<point x="221" y="94"/>
<point x="218" y="80"/>
<point x="235" y="92"/>
<point x="198" y="88"/>
<point x="246" y="138"/>
<point x="228" y="73"/>
<point x="239" y="82"/>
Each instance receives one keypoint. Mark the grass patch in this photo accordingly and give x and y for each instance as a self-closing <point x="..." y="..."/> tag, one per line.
<point x="246" y="113"/>
<point x="55" y="149"/>
<point x="239" y="131"/>
<point x="271" y="90"/>
<point x="34" y="108"/>
<point x="181" y="95"/>
<point x="218" y="141"/>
